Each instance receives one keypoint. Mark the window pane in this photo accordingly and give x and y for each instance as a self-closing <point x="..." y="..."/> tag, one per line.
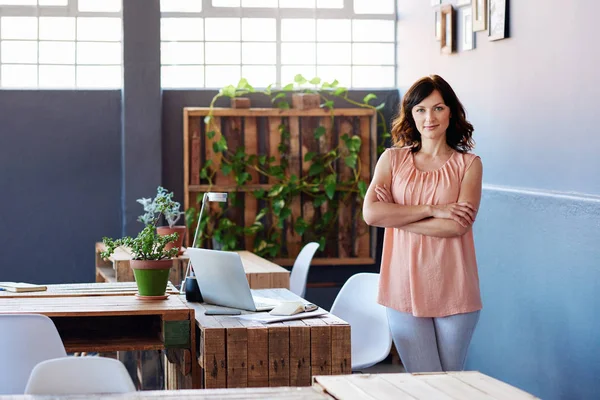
<point x="222" y="75"/>
<point x="222" y="53"/>
<point x="289" y="72"/>
<point x="19" y="52"/>
<point x="259" y="29"/>
<point x="372" y="30"/>
<point x="297" y="30"/>
<point x="57" y="76"/>
<point x="259" y="53"/>
<point x="181" y="29"/>
<point x="374" y="7"/>
<point x="260" y="76"/>
<point x="98" y="53"/>
<point x="330" y="3"/>
<point x="182" y="76"/>
<point x="334" y="53"/>
<point x="226" y="3"/>
<point x="373" y="77"/>
<point x="223" y="29"/>
<point x="22" y="76"/>
<point x="373" y="53"/>
<point x="57" y="28"/>
<point x="108" y="77"/>
<point x="96" y="5"/>
<point x="182" y="53"/>
<point x="53" y="2"/>
<point x="99" y="28"/>
<point x="297" y="3"/>
<point x="298" y="53"/>
<point x="334" y="30"/>
<point x="57" y="53"/>
<point x="180" y="5"/>
<point x="330" y="73"/>
<point x="259" y="3"/>
<point x="18" y="27"/>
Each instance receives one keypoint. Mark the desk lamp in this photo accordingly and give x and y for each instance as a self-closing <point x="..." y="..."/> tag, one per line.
<point x="190" y="285"/>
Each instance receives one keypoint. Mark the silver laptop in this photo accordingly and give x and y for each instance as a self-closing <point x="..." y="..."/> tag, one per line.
<point x="223" y="282"/>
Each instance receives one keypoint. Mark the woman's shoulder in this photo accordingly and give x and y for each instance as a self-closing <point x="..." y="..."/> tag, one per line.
<point x="397" y="156"/>
<point x="466" y="159"/>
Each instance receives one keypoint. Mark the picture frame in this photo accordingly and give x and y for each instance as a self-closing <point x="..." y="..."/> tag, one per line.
<point x="438" y="25"/>
<point x="498" y="20"/>
<point x="467" y="36"/>
<point x="447" y="44"/>
<point x="480" y="15"/>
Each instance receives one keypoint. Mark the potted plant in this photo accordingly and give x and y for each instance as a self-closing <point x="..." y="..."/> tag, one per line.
<point x="151" y="260"/>
<point x="163" y="204"/>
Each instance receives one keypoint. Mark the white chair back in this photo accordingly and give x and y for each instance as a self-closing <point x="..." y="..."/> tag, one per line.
<point x="25" y="340"/>
<point x="299" y="273"/>
<point x="356" y="303"/>
<point x="79" y="375"/>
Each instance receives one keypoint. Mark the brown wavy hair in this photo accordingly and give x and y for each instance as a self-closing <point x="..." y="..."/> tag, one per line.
<point x="405" y="132"/>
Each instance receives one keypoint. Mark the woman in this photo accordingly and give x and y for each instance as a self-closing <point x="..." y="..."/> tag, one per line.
<point x="426" y="192"/>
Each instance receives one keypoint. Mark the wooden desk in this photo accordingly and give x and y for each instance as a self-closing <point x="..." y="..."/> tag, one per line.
<point x="240" y="353"/>
<point x="434" y="386"/>
<point x="304" y="393"/>
<point x="261" y="273"/>
<point x="108" y="323"/>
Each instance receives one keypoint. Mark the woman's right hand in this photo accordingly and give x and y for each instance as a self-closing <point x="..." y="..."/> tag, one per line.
<point x="463" y="212"/>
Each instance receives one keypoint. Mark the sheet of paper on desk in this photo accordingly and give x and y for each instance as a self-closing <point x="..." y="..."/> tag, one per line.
<point x="266" y="318"/>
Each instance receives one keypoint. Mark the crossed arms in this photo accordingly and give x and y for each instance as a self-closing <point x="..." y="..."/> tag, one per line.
<point x="446" y="220"/>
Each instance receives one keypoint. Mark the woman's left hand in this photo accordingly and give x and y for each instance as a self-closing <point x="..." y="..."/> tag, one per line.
<point x="384" y="194"/>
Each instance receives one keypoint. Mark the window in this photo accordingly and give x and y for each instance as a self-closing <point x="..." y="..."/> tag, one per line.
<point x="213" y="43"/>
<point x="60" y="44"/>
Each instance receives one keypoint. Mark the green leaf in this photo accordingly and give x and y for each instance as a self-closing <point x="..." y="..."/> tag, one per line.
<point x="243" y="84"/>
<point x="242" y="178"/>
<point x="330" y="190"/>
<point x="262" y="160"/>
<point x="280" y="95"/>
<point x="368" y="98"/>
<point x="288" y="87"/>
<point x="339" y="91"/>
<point x="315" y="169"/>
<point x="203" y="173"/>
<point x="226" y="169"/>
<point x="261" y="214"/>
<point x="207" y="119"/>
<point x="278" y="205"/>
<point x="319" y="200"/>
<point x="283" y="105"/>
<point x="299" y="79"/>
<point x="380" y="107"/>
<point x="362" y="189"/>
<point x="228" y="91"/>
<point x="210" y="134"/>
<point x="275" y="190"/>
<point x="300" y="226"/>
<point x="385" y="135"/>
<point x="315" y="81"/>
<point x="259" y="194"/>
<point x="285" y="213"/>
<point x="351" y="160"/>
<point x="309" y="156"/>
<point x="320" y="131"/>
<point x="334" y="83"/>
<point x="328" y="104"/>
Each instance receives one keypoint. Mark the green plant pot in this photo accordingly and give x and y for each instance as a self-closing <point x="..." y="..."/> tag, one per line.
<point x="151" y="276"/>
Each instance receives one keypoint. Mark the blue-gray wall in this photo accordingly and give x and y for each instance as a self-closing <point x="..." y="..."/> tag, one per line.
<point x="533" y="101"/>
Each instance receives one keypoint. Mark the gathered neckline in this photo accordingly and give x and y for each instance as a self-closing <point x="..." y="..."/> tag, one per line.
<point x="412" y="160"/>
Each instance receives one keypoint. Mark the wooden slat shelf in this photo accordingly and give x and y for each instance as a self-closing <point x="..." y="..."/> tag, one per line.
<point x="288" y="262"/>
<point x="107" y="273"/>
<point x="121" y="344"/>
<point x="276" y="112"/>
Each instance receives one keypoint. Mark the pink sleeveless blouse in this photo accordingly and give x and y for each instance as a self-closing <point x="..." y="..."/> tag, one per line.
<point x="424" y="275"/>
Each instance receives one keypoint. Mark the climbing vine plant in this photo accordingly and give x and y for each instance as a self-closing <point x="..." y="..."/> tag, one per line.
<point x="322" y="184"/>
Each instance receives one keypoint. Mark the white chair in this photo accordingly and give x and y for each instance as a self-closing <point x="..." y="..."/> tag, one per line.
<point x="356" y="303"/>
<point x="25" y="340"/>
<point x="299" y="273"/>
<point x="79" y="375"/>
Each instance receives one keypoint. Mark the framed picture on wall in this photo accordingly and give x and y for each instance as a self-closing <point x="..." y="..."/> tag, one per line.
<point x="447" y="39"/>
<point x="467" y="37"/>
<point x="480" y="15"/>
<point x="498" y="19"/>
<point x="438" y="25"/>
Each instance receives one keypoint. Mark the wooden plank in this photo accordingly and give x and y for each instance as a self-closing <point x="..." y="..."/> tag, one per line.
<point x="279" y="355"/>
<point x="258" y="354"/>
<point x="341" y="362"/>
<point x="453" y="387"/>
<point x="250" y="202"/>
<point x="87" y="289"/>
<point x="186" y="159"/>
<point x="320" y="346"/>
<point x="214" y="126"/>
<point x="288" y="262"/>
<point x="493" y="387"/>
<point x="341" y="387"/>
<point x="363" y="244"/>
<point x="237" y="356"/>
<point x="193" y="129"/>
<point x="346" y="217"/>
<point x="275" y="112"/>
<point x="415" y="387"/>
<point x="300" y="368"/>
<point x="293" y="240"/>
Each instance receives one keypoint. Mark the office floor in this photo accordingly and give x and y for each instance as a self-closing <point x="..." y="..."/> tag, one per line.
<point x="384" y="367"/>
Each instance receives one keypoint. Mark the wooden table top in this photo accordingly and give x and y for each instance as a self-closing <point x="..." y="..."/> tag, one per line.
<point x="431" y="386"/>
<point x="86" y="289"/>
<point x="92" y="305"/>
<point x="283" y="393"/>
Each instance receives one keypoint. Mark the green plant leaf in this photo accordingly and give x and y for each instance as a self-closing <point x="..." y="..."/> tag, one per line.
<point x="315" y="81"/>
<point x="203" y="173"/>
<point x="350" y="160"/>
<point x="380" y="106"/>
<point x="319" y="200"/>
<point x="340" y="91"/>
<point x="226" y="169"/>
<point x="300" y="226"/>
<point x="259" y="194"/>
<point x="320" y="131"/>
<point x="262" y="159"/>
<point x="362" y="189"/>
<point x="288" y="87"/>
<point x="228" y="91"/>
<point x="283" y="105"/>
<point x="280" y="95"/>
<point x="328" y="104"/>
<point x="275" y="190"/>
<point x="285" y="213"/>
<point x="369" y="97"/>
<point x="299" y="79"/>
<point x="242" y="178"/>
<point x="316" y="169"/>
<point x="207" y="119"/>
<point x="309" y="156"/>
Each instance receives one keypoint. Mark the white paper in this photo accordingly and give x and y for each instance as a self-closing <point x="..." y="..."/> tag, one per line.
<point x="266" y="318"/>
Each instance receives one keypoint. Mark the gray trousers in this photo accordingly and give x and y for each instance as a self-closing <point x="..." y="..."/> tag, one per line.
<point x="432" y="344"/>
